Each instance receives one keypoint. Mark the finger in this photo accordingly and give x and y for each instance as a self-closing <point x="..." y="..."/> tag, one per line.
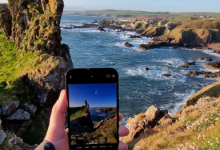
<point x="67" y="130"/>
<point x="120" y="117"/>
<point x="123" y="131"/>
<point x="57" y="118"/>
<point x="122" y="146"/>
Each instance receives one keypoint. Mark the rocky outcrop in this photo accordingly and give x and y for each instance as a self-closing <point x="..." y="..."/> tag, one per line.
<point x="102" y="22"/>
<point x="7" y="109"/>
<point x="128" y="44"/>
<point x="189" y="63"/>
<point x="152" y="31"/>
<point x="204" y="74"/>
<point x="5" y="20"/>
<point x="206" y="59"/>
<point x="101" y="29"/>
<point x="213" y="65"/>
<point x="146" y="122"/>
<point x="30" y="108"/>
<point x="166" y="75"/>
<point x="19" y="115"/>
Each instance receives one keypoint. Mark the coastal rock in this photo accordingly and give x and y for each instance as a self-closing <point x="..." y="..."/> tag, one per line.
<point x="206" y="59"/>
<point x="169" y="64"/>
<point x="98" y="124"/>
<point x="102" y="22"/>
<point x="146" y="69"/>
<point x="101" y="29"/>
<point x="48" y="80"/>
<point x="152" y="113"/>
<point x="189" y="63"/>
<point x="182" y="66"/>
<point x="152" y="31"/>
<point x="166" y="75"/>
<point x="213" y="65"/>
<point x="128" y="44"/>
<point x="166" y="120"/>
<point x="201" y="59"/>
<point x="134" y="36"/>
<point x="9" y="108"/>
<point x="2" y="136"/>
<point x="30" y="108"/>
<point x="192" y="73"/>
<point x="142" y="46"/>
<point x="19" y="115"/>
<point x="95" y="21"/>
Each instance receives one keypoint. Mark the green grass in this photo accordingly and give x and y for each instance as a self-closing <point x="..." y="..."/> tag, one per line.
<point x="75" y="113"/>
<point x="14" y="63"/>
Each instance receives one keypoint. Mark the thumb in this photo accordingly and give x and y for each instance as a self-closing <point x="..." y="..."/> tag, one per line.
<point x="57" y="118"/>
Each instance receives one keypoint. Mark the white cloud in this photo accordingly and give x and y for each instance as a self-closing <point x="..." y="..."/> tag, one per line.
<point x="3" y="1"/>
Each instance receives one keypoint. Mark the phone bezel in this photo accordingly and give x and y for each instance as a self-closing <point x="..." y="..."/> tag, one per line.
<point x="83" y="76"/>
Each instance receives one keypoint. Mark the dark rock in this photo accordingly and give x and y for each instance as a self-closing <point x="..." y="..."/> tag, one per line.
<point x="2" y="136"/>
<point x="134" y="36"/>
<point x="102" y="22"/>
<point x="30" y="108"/>
<point x="169" y="64"/>
<point x="128" y="44"/>
<point x="67" y="57"/>
<point x="146" y="69"/>
<point x="5" y="20"/>
<point x="24" y="127"/>
<point x="166" y="75"/>
<point x="199" y="85"/>
<point x="166" y="120"/>
<point x="206" y="59"/>
<point x="172" y="106"/>
<point x="182" y="66"/>
<point x="201" y="59"/>
<point x="101" y="29"/>
<point x="9" y="108"/>
<point x="95" y="21"/>
<point x="189" y="63"/>
<point x="19" y="115"/>
<point x="192" y="73"/>
<point x="214" y="65"/>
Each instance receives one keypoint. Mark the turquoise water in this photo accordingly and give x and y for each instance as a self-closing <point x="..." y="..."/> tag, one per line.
<point x="139" y="89"/>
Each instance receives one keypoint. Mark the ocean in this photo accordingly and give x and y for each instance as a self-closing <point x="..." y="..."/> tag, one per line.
<point x="138" y="89"/>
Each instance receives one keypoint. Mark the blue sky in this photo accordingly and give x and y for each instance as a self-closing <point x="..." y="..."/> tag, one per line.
<point x="97" y="95"/>
<point x="144" y="5"/>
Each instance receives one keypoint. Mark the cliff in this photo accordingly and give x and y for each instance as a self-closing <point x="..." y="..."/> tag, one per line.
<point x="195" y="126"/>
<point x="34" y="63"/>
<point x="189" y="34"/>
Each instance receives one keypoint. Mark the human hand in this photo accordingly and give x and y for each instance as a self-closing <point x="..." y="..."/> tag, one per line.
<point x="58" y="135"/>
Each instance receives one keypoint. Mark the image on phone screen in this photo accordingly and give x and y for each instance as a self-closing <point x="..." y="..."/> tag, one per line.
<point x="93" y="113"/>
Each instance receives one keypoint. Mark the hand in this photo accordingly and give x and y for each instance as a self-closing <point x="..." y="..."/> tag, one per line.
<point x="56" y="133"/>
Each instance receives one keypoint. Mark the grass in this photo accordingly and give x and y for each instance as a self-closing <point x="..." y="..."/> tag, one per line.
<point x="76" y="113"/>
<point x="198" y="128"/>
<point x="14" y="63"/>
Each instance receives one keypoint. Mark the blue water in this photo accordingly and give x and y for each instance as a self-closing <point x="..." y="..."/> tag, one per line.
<point x="139" y="89"/>
<point x="97" y="116"/>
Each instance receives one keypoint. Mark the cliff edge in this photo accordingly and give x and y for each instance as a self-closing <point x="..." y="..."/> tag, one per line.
<point x="34" y="63"/>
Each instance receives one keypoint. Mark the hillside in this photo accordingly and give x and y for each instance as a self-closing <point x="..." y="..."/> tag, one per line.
<point x="33" y="66"/>
<point x="196" y="126"/>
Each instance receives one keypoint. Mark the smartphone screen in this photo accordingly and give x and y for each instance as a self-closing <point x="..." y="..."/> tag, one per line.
<point x="93" y="108"/>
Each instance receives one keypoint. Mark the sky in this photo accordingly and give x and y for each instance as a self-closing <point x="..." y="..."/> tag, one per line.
<point x="97" y="95"/>
<point x="144" y="5"/>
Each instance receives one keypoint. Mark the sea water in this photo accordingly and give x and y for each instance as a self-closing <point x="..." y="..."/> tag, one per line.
<point x="138" y="89"/>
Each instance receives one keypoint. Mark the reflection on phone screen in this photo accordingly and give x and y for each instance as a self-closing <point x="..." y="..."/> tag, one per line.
<point x="93" y="113"/>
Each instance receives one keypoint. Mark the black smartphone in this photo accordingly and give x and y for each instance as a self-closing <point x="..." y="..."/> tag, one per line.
<point x="93" y="108"/>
